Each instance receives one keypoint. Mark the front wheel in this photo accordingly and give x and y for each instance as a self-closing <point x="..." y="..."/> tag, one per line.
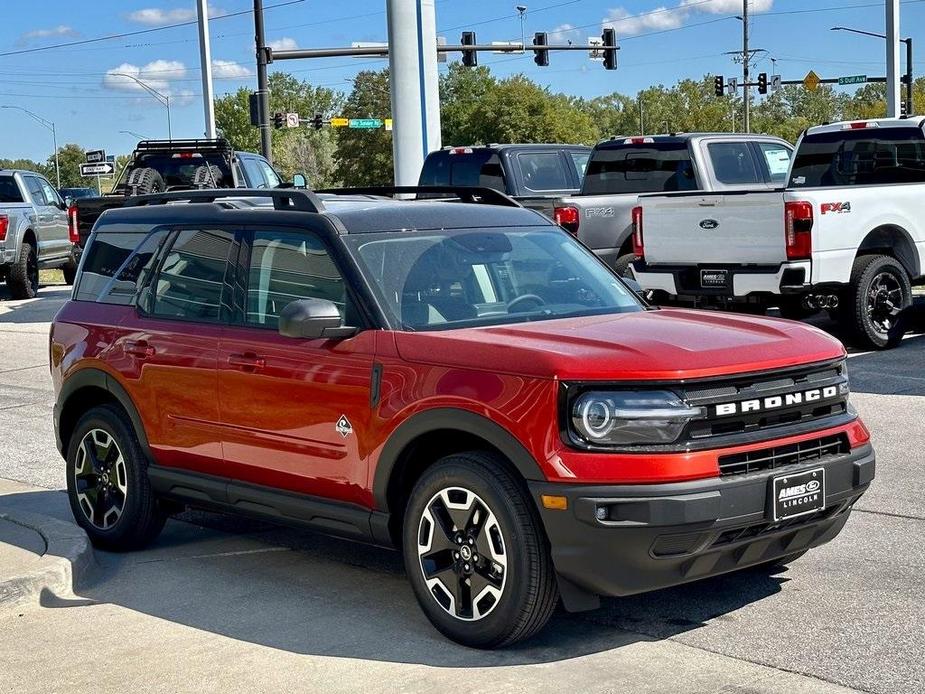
<point x="476" y="554"/>
<point x="879" y="291"/>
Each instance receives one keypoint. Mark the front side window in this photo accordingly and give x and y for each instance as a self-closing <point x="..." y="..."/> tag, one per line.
<point x="191" y="280"/>
<point x="269" y="175"/>
<point x="254" y="173"/>
<point x="777" y="161"/>
<point x="51" y="197"/>
<point x="35" y="190"/>
<point x="733" y="163"/>
<point x="287" y="267"/>
<point x="435" y="280"/>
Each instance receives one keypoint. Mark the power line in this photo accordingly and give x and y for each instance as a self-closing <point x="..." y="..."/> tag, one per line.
<point x="110" y="37"/>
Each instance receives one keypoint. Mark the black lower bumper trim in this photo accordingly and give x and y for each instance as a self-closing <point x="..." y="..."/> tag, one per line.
<point x="626" y="539"/>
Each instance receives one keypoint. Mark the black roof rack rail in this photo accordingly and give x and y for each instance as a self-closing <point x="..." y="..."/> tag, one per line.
<point x="283" y="198"/>
<point x="474" y="194"/>
<point x="202" y="145"/>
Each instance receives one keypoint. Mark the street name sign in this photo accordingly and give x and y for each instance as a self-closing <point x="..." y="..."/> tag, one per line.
<point x="365" y="123"/>
<point x="853" y="79"/>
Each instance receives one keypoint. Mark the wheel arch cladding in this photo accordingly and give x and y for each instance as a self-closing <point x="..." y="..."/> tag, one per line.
<point x="895" y="242"/>
<point x="90" y="388"/>
<point x="428" y="436"/>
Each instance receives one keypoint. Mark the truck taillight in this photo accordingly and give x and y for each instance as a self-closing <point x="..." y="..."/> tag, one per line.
<point x="639" y="248"/>
<point x="73" y="231"/>
<point x="798" y="230"/>
<point x="568" y="218"/>
<point x="4" y="226"/>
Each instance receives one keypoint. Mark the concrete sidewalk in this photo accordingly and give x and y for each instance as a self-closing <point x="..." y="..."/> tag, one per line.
<point x="41" y="551"/>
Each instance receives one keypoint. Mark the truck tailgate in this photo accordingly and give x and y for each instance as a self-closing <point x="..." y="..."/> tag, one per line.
<point x="741" y="228"/>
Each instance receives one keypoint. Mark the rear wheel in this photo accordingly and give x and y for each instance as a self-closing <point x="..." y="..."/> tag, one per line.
<point x="107" y="482"/>
<point x="475" y="553"/>
<point x="23" y="280"/>
<point x="70" y="272"/>
<point x="879" y="291"/>
<point x="622" y="264"/>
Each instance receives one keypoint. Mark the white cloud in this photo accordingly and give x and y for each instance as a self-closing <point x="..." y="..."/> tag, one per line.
<point x="229" y="69"/>
<point x="157" y="74"/>
<point x="661" y="18"/>
<point x="157" y="16"/>
<point x="565" y="32"/>
<point x="62" y="30"/>
<point x="283" y="44"/>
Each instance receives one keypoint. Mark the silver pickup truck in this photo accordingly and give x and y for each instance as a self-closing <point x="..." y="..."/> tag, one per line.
<point x="33" y="232"/>
<point x="623" y="168"/>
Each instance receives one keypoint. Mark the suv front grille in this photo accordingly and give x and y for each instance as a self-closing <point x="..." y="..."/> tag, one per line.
<point x="779" y="456"/>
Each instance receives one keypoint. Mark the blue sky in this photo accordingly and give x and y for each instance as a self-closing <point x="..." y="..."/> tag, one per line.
<point x="662" y="41"/>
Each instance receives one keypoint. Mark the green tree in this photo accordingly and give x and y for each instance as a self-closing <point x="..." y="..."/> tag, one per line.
<point x="364" y="157"/>
<point x="70" y="157"/>
<point x="462" y="89"/>
<point x="26" y="165"/>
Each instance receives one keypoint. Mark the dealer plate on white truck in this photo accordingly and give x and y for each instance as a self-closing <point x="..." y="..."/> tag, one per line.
<point x="798" y="494"/>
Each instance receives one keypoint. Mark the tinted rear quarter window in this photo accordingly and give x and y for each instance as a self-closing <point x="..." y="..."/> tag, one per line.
<point x="867" y="156"/>
<point x="643" y="168"/>
<point x="9" y="191"/>
<point x="543" y="171"/>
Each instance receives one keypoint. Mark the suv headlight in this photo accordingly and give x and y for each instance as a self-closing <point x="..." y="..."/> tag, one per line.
<point x="619" y="418"/>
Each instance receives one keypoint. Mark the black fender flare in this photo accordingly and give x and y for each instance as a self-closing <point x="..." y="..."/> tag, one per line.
<point x="449" y="418"/>
<point x="97" y="378"/>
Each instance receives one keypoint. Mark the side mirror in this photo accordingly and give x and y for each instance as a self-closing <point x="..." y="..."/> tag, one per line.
<point x="313" y="319"/>
<point x="299" y="181"/>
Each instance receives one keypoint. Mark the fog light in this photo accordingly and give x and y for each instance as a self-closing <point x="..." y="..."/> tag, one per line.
<point x="601" y="513"/>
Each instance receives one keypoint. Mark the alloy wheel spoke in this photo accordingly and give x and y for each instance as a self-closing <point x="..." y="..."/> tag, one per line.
<point x="444" y="522"/>
<point x="476" y="520"/>
<point x="463" y="597"/>
<point x="438" y="563"/>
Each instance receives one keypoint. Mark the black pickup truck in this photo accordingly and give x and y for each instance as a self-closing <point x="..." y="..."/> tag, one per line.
<point x="534" y="175"/>
<point x="158" y="166"/>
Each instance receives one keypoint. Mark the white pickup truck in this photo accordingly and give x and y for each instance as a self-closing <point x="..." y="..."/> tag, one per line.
<point x="847" y="234"/>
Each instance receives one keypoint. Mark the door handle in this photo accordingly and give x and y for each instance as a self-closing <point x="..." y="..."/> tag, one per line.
<point x="247" y="361"/>
<point x="139" y="348"/>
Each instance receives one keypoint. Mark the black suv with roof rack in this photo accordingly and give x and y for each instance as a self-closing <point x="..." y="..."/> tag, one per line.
<point x="158" y="166"/>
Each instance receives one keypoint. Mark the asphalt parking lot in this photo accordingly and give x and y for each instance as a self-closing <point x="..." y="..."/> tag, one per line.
<point x="223" y="604"/>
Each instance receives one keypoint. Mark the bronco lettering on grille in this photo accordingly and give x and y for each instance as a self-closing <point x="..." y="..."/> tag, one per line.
<point x="776" y="401"/>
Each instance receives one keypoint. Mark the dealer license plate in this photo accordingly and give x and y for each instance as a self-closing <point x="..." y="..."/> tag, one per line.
<point x="798" y="494"/>
<point x="714" y="278"/>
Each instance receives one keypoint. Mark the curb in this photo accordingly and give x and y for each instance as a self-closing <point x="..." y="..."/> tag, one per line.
<point x="68" y="559"/>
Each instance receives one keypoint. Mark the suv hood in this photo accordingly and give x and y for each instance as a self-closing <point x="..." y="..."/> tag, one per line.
<point x="667" y="344"/>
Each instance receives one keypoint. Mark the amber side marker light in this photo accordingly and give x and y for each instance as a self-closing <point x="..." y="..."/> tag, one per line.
<point x="555" y="503"/>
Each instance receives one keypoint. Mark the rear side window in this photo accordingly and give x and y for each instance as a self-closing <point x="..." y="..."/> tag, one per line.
<point x="35" y="190"/>
<point x="190" y="283"/>
<point x="733" y="163"/>
<point x="480" y="168"/>
<point x="9" y="191"/>
<point x="867" y="156"/>
<point x="116" y="266"/>
<point x="647" y="168"/>
<point x="580" y="160"/>
<point x="543" y="171"/>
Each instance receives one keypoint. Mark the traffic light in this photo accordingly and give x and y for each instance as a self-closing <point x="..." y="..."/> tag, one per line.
<point x="903" y="111"/>
<point x="609" y="38"/>
<point x="469" y="58"/>
<point x="540" y="55"/>
<point x="762" y="83"/>
<point x="719" y="85"/>
<point x="253" y="103"/>
<point x="318" y="121"/>
<point x="279" y="120"/>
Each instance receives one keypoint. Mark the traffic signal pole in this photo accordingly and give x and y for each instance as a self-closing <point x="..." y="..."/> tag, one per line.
<point x="263" y="84"/>
<point x="892" y="59"/>
<point x="746" y="59"/>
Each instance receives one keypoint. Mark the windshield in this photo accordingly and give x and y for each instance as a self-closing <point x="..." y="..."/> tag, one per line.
<point x="862" y="157"/>
<point x="656" y="167"/>
<point x="437" y="280"/>
<point x="179" y="170"/>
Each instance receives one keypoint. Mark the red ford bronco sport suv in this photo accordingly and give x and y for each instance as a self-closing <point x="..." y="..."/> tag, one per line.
<point x="459" y="379"/>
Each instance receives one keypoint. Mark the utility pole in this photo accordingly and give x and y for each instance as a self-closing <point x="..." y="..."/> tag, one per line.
<point x="746" y="59"/>
<point x="263" y="84"/>
<point x="892" y="59"/>
<point x="205" y="57"/>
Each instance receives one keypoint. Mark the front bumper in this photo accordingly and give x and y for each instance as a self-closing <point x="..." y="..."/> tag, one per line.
<point x="684" y="280"/>
<point x="661" y="535"/>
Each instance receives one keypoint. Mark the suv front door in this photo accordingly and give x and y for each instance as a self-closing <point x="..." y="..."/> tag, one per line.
<point x="295" y="412"/>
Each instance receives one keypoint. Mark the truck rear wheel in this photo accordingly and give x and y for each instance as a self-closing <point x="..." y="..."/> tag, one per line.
<point x="476" y="554"/>
<point x="880" y="289"/>
<point x="70" y="272"/>
<point x="622" y="264"/>
<point x="23" y="280"/>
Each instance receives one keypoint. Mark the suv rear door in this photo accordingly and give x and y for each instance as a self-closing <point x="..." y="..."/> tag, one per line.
<point x="281" y="398"/>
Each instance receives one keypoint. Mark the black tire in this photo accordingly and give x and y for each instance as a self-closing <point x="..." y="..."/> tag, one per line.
<point x="792" y="308"/>
<point x="70" y="272"/>
<point x="23" y="280"/>
<point x="622" y="264"/>
<point x="525" y="588"/>
<point x="94" y="480"/>
<point x="880" y="289"/>
<point x="145" y="181"/>
<point x="207" y="177"/>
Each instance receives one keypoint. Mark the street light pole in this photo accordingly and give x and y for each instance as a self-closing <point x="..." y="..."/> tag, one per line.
<point x="746" y="59"/>
<point x="162" y="98"/>
<point x="54" y="135"/>
<point x="909" y="65"/>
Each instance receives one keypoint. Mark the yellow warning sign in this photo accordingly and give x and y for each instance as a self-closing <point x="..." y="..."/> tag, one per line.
<point x="340" y="122"/>
<point x="811" y="81"/>
<point x="388" y="123"/>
